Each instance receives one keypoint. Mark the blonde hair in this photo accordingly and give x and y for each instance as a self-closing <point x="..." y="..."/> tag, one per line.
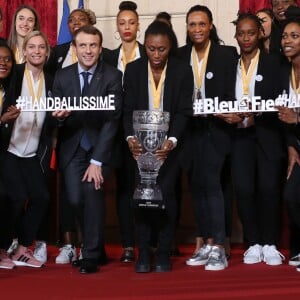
<point x="33" y="34"/>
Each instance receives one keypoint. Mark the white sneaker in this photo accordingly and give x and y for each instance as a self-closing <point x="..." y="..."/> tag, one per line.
<point x="13" y="246"/>
<point x="295" y="260"/>
<point x="253" y="255"/>
<point x="40" y="251"/>
<point x="272" y="256"/>
<point x="200" y="257"/>
<point x="66" y="255"/>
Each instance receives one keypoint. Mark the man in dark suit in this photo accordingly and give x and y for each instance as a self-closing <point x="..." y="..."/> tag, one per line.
<point x="86" y="138"/>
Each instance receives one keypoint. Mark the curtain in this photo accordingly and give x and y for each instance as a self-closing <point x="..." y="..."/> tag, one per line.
<point x="255" y="5"/>
<point x="47" y="10"/>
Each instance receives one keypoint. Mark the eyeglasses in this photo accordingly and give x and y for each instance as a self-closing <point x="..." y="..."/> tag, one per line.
<point x="5" y="59"/>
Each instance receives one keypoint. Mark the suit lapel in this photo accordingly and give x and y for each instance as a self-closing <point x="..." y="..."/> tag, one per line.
<point x="62" y="52"/>
<point x="259" y="83"/>
<point x="75" y="80"/>
<point x="186" y="53"/>
<point x="144" y="100"/>
<point x="209" y="75"/>
<point x="168" y="86"/>
<point x="96" y="80"/>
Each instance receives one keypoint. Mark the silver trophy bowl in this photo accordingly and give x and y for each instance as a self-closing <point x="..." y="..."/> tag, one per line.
<point x="150" y="128"/>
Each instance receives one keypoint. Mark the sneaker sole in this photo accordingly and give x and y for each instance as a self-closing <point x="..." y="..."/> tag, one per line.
<point x="24" y="264"/>
<point x="252" y="262"/>
<point x="196" y="263"/>
<point x="272" y="264"/>
<point x="294" y="264"/>
<point x="7" y="268"/>
<point x="219" y="268"/>
<point x="63" y="262"/>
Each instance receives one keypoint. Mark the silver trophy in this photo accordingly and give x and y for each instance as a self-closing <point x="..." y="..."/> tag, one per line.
<point x="150" y="128"/>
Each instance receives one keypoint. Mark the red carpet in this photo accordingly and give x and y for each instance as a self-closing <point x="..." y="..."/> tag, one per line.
<point x="119" y="281"/>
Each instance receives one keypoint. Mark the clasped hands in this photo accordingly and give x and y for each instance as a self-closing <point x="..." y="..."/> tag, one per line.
<point x="233" y="118"/>
<point x="287" y="115"/>
<point x="11" y="114"/>
<point x="136" y="148"/>
<point x="61" y="114"/>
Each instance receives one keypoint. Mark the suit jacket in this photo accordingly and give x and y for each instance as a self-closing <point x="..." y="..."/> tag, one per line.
<point x="219" y="82"/>
<point x="57" y="57"/>
<point x="177" y="98"/>
<point x="268" y="128"/>
<point x="292" y="132"/>
<point x="121" y="153"/>
<point x="14" y="91"/>
<point x="100" y="126"/>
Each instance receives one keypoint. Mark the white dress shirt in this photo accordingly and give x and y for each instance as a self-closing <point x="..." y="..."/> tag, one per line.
<point x="27" y="129"/>
<point x="247" y="122"/>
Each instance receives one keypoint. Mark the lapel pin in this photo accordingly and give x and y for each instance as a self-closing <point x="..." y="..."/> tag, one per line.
<point x="259" y="77"/>
<point x="209" y="75"/>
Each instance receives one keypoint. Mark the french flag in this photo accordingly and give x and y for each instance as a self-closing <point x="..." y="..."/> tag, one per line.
<point x="64" y="35"/>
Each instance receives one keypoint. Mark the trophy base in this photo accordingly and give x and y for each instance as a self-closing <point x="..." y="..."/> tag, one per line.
<point x="148" y="196"/>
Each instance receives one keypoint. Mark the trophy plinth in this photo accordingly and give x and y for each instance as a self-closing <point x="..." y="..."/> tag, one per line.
<point x="151" y="129"/>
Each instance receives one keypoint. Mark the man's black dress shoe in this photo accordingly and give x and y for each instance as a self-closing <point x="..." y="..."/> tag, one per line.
<point x="88" y="266"/>
<point x="77" y="263"/>
<point x="163" y="263"/>
<point x="127" y="256"/>
<point x="101" y="261"/>
<point x="143" y="263"/>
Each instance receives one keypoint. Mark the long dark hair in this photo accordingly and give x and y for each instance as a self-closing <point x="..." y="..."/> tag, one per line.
<point x="162" y="28"/>
<point x="268" y="12"/>
<point x="213" y="36"/>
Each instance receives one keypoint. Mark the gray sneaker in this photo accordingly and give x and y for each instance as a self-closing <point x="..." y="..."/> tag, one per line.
<point x="200" y="257"/>
<point x="216" y="260"/>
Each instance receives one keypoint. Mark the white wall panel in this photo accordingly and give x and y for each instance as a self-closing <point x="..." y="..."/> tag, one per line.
<point x="224" y="11"/>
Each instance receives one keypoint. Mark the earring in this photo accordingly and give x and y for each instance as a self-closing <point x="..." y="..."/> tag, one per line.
<point x="117" y="35"/>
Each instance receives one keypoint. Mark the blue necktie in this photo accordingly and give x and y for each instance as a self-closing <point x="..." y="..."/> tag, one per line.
<point x="86" y="84"/>
<point x="84" y="141"/>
